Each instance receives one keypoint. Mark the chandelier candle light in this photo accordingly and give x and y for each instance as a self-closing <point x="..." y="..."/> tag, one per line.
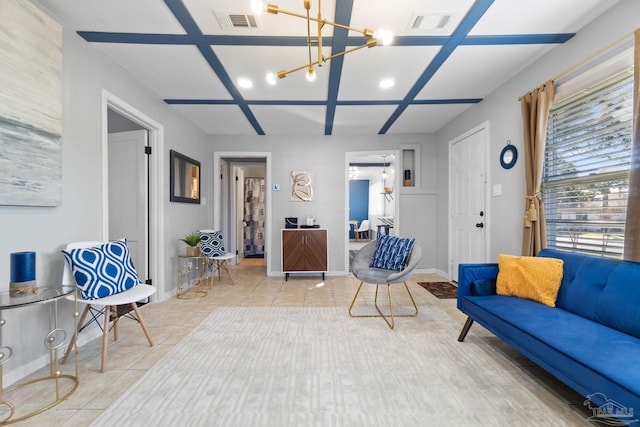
<point x="384" y="36"/>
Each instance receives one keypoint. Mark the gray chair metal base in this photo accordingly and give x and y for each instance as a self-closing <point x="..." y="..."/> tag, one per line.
<point x="388" y="318"/>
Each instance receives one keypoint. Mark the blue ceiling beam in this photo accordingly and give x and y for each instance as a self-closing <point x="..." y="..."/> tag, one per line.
<point x="185" y="39"/>
<point x="188" y="23"/>
<point x="135" y="38"/>
<point x="517" y="39"/>
<point x="298" y="102"/>
<point x="445" y="101"/>
<point x="262" y="41"/>
<point x="468" y="22"/>
<point x="339" y="44"/>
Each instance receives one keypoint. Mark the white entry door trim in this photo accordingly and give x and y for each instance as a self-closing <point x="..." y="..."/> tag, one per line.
<point x="476" y="211"/>
<point x="157" y="184"/>
<point x="215" y="210"/>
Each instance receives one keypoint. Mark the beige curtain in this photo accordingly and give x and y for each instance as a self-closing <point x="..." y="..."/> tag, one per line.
<point x="632" y="227"/>
<point x="535" y="117"/>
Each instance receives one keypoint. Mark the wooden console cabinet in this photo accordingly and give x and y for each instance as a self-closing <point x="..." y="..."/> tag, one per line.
<point x="304" y="250"/>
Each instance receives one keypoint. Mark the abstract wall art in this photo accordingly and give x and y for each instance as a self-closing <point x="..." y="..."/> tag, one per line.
<point x="301" y="186"/>
<point x="30" y="106"/>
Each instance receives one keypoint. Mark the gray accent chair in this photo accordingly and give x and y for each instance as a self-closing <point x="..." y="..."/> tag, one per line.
<point x="378" y="276"/>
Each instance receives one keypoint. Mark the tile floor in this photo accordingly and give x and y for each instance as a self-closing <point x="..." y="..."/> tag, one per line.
<point x="169" y="321"/>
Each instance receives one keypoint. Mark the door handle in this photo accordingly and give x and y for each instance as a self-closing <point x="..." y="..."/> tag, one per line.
<point x="479" y="225"/>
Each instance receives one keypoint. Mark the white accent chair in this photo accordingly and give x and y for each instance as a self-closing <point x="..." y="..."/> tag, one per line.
<point x="218" y="262"/>
<point x="107" y="306"/>
<point x="363" y="229"/>
<point x="378" y="276"/>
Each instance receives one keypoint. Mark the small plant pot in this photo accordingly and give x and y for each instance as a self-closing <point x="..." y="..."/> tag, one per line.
<point x="193" y="251"/>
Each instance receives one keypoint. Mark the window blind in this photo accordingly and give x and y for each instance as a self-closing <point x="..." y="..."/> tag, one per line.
<point x="586" y="171"/>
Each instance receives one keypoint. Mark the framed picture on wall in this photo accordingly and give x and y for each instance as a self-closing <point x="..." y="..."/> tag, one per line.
<point x="185" y="178"/>
<point x="301" y="186"/>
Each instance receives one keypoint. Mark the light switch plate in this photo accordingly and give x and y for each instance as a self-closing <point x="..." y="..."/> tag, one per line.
<point x="497" y="189"/>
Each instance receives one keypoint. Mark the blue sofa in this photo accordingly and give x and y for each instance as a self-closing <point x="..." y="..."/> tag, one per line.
<point x="590" y="340"/>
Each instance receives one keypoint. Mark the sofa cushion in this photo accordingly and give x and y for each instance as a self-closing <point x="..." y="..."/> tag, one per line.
<point x="602" y="349"/>
<point x="601" y="289"/>
<point x="483" y="287"/>
<point x="534" y="278"/>
<point x="102" y="270"/>
<point x="392" y="253"/>
<point x="619" y="301"/>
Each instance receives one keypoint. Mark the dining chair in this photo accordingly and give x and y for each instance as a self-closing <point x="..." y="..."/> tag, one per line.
<point x="212" y="246"/>
<point x="106" y="279"/>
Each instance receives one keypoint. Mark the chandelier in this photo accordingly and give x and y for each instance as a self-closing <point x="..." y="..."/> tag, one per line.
<point x="385" y="38"/>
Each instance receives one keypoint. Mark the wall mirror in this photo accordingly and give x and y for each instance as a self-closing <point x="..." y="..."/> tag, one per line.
<point x="508" y="156"/>
<point x="185" y="179"/>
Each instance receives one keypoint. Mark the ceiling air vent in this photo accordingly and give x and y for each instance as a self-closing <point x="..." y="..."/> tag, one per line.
<point x="230" y="21"/>
<point x="429" y="21"/>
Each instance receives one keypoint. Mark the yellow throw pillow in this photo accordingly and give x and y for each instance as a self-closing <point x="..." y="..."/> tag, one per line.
<point x="535" y="278"/>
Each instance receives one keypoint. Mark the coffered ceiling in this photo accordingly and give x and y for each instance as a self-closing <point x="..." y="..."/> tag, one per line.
<point x="446" y="56"/>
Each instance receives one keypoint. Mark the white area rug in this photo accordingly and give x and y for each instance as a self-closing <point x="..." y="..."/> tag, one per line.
<point x="316" y="366"/>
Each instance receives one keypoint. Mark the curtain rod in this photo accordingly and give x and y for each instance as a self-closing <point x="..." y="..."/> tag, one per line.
<point x="590" y="58"/>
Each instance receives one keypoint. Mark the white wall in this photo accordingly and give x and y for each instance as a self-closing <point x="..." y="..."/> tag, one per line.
<point x="324" y="156"/>
<point x="502" y="109"/>
<point x="86" y="72"/>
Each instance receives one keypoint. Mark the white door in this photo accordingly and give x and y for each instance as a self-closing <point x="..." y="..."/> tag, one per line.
<point x="467" y="199"/>
<point x="239" y="198"/>
<point x="128" y="201"/>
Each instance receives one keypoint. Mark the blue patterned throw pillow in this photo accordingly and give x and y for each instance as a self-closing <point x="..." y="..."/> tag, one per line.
<point x="102" y="270"/>
<point x="392" y="253"/>
<point x="211" y="244"/>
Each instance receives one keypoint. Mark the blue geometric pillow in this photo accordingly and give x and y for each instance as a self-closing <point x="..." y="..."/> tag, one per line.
<point x="102" y="270"/>
<point x="392" y="253"/>
<point x="211" y="244"/>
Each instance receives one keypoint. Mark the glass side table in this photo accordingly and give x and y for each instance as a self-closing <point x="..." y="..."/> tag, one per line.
<point x="63" y="385"/>
<point x="192" y="274"/>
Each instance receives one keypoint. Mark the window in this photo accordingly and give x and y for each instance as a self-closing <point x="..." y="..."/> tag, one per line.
<point x="586" y="171"/>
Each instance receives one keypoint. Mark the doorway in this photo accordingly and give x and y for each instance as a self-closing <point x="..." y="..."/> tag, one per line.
<point x="145" y="176"/>
<point x="468" y="199"/>
<point x="378" y="169"/>
<point x="241" y="207"/>
<point x="128" y="190"/>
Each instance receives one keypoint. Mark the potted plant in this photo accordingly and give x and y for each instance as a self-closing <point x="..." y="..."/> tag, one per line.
<point x="192" y="241"/>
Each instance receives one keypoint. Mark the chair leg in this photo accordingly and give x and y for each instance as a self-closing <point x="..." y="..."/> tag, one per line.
<point x="465" y="329"/>
<point x="355" y="297"/>
<point x="141" y="321"/>
<point x="412" y="302"/>
<point x="354" y="301"/>
<point x="392" y="316"/>
<point x="105" y="339"/>
<point x="391" y="323"/>
<point x="115" y="317"/>
<point x="75" y="336"/>
<point x="210" y="263"/>
<point x="225" y="264"/>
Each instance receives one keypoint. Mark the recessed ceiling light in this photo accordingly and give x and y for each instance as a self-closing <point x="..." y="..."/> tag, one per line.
<point x="387" y="83"/>
<point x="245" y="83"/>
